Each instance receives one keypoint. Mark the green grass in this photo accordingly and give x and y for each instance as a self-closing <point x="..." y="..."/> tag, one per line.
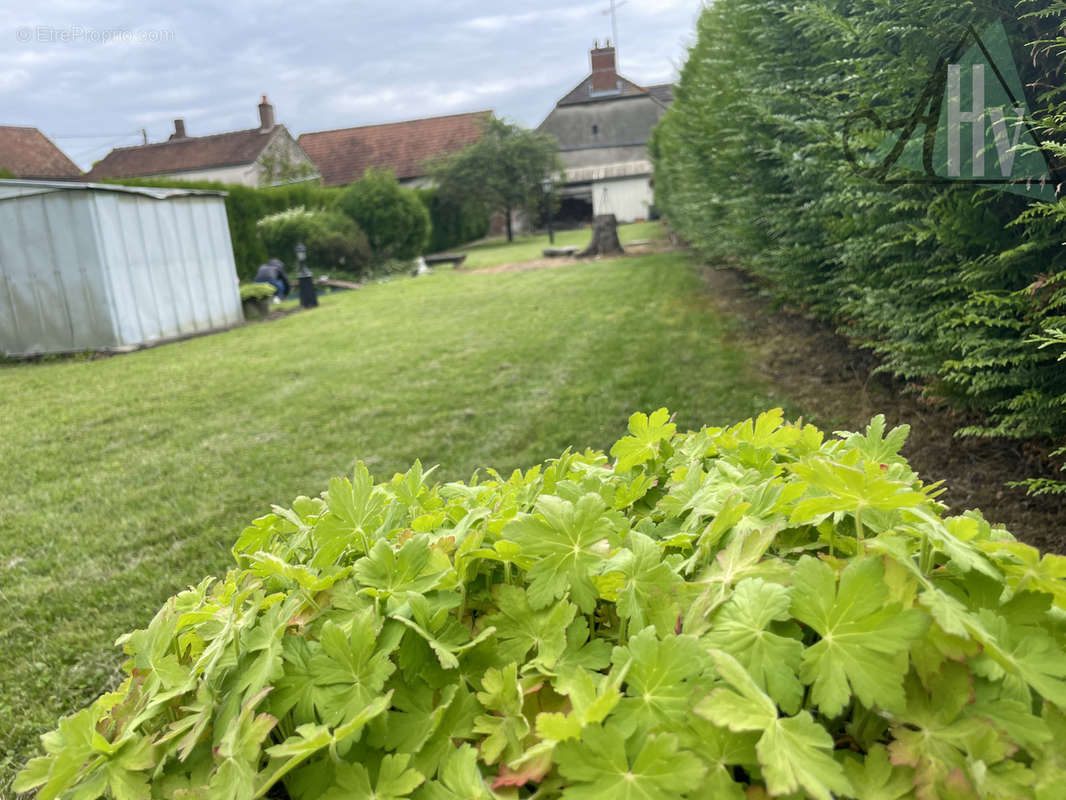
<point x="128" y="478"/>
<point x="525" y="248"/>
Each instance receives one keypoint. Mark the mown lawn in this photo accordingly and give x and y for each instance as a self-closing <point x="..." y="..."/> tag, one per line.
<point x="128" y="478"/>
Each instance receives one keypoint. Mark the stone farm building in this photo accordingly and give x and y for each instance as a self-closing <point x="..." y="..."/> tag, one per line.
<point x="29" y="154"/>
<point x="603" y="125"/>
<point x="261" y="156"/>
<point x="343" y="155"/>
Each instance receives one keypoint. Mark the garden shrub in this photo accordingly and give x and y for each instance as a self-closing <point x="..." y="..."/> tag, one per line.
<point x="256" y="291"/>
<point x="255" y="299"/>
<point x="737" y="612"/>
<point x="333" y="241"/>
<point x="394" y="219"/>
<point x="341" y="247"/>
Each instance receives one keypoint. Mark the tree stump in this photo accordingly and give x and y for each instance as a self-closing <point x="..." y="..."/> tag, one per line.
<point x="604" y="237"/>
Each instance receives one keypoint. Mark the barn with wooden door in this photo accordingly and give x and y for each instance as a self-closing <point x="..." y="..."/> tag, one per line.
<point x="86" y="266"/>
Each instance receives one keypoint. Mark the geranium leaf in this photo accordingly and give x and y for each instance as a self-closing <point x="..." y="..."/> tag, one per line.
<point x="741" y="628"/>
<point x="864" y="640"/>
<point x="601" y="765"/>
<point x="647" y="432"/>
<point x="562" y="537"/>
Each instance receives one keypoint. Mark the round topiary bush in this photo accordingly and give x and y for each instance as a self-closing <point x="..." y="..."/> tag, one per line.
<point x="744" y="612"/>
<point x="396" y="222"/>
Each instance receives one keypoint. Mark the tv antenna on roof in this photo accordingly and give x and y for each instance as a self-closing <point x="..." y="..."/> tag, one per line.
<point x="613" y="12"/>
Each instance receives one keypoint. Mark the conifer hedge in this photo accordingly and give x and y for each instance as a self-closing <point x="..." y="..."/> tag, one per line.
<point x="951" y="285"/>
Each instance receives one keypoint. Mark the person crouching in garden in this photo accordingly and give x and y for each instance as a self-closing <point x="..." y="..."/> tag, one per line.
<point x="273" y="272"/>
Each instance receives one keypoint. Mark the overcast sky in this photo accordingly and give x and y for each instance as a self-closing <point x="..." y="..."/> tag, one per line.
<point x="92" y="73"/>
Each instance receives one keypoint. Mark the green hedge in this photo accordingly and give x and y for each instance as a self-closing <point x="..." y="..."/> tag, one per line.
<point x="756" y="611"/>
<point x="245" y="206"/>
<point x="453" y="225"/>
<point x="948" y="284"/>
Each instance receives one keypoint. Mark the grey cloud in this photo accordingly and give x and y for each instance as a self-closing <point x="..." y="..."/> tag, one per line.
<point x="323" y="64"/>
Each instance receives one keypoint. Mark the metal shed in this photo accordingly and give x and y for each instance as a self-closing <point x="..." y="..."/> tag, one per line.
<point x="88" y="266"/>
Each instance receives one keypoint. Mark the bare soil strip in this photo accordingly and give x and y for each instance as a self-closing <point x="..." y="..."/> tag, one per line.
<point x="815" y="368"/>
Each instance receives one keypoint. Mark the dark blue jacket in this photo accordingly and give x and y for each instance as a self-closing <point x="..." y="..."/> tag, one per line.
<point x="273" y="270"/>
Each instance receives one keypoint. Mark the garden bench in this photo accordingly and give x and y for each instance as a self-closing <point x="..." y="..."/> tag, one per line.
<point x="335" y="284"/>
<point x="555" y="252"/>
<point x="455" y="260"/>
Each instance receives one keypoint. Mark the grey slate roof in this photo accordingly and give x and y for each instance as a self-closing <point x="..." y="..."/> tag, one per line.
<point x="582" y="93"/>
<point x="663" y="92"/>
<point x="189" y="153"/>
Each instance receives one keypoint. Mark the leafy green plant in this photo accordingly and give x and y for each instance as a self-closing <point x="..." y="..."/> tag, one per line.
<point x="255" y="299"/>
<point x="1051" y="337"/>
<point x="395" y="220"/>
<point x="333" y="241"/>
<point x="750" y="609"/>
<point x="256" y="291"/>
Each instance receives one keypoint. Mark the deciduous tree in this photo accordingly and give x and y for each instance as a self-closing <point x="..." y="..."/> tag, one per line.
<point x="502" y="171"/>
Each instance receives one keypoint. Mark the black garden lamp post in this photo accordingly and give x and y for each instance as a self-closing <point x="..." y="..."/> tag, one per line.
<point x="308" y="296"/>
<point x="546" y="184"/>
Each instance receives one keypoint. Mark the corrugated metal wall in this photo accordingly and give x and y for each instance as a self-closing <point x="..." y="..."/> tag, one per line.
<point x="49" y="299"/>
<point x="85" y="268"/>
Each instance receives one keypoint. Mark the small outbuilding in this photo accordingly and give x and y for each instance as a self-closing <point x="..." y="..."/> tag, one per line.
<point x="86" y="266"/>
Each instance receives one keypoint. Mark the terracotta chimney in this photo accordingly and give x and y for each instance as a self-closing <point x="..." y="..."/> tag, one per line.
<point x="179" y="129"/>
<point x="266" y="115"/>
<point x="604" y="76"/>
